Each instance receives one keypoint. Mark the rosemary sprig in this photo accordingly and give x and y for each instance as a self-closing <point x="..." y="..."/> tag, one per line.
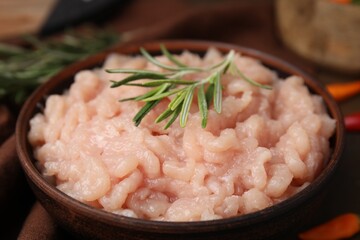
<point x="172" y="82"/>
<point x="22" y="69"/>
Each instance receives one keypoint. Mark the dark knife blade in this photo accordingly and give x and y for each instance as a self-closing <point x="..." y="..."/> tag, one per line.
<point x="67" y="13"/>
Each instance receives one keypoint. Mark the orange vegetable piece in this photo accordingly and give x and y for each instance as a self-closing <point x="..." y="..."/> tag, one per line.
<point x="342" y="91"/>
<point x="342" y="226"/>
<point x="341" y="1"/>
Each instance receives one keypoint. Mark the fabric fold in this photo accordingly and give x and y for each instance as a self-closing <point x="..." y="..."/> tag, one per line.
<point x="15" y="195"/>
<point x="40" y="226"/>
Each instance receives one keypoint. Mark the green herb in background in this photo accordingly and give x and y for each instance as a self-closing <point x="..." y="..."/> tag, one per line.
<point x="172" y="83"/>
<point x="22" y="69"/>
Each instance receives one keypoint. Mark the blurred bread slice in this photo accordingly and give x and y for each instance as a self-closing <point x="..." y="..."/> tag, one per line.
<point x="19" y="17"/>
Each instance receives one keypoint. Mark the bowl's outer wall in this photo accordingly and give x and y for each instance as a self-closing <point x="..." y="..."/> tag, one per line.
<point x="286" y="217"/>
<point x="280" y="227"/>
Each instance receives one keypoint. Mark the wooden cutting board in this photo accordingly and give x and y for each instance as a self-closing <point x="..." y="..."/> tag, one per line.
<point x="19" y="17"/>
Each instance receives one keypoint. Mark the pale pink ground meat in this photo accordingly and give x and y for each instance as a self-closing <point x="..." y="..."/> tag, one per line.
<point x="264" y="147"/>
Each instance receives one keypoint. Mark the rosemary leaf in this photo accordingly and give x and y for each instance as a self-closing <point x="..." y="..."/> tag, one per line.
<point x="152" y="92"/>
<point x="227" y="59"/>
<point x="175" y="103"/>
<point x="138" y="76"/>
<point x="174" y="116"/>
<point x="171" y="57"/>
<point x="128" y="99"/>
<point x="167" y="113"/>
<point x="186" y="106"/>
<point x="236" y="71"/>
<point x="8" y="50"/>
<point x="141" y="85"/>
<point x="217" y="93"/>
<point x="132" y="71"/>
<point x="172" y="82"/>
<point x="156" y="62"/>
<point x="164" y="66"/>
<point x="161" y="95"/>
<point x="209" y="94"/>
<point x="203" y="107"/>
<point x="158" y="82"/>
<point x="22" y="69"/>
<point x="141" y="97"/>
<point x="143" y="111"/>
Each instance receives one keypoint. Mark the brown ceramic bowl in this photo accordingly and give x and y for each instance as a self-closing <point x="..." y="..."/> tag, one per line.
<point x="273" y="222"/>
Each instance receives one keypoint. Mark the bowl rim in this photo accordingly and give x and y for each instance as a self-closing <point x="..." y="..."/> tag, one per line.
<point x="33" y="175"/>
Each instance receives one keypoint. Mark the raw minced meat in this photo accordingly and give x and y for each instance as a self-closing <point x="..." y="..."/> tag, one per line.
<point x="264" y="147"/>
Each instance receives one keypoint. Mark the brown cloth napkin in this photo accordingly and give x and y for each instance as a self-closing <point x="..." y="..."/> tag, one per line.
<point x="15" y="196"/>
<point x="246" y="23"/>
